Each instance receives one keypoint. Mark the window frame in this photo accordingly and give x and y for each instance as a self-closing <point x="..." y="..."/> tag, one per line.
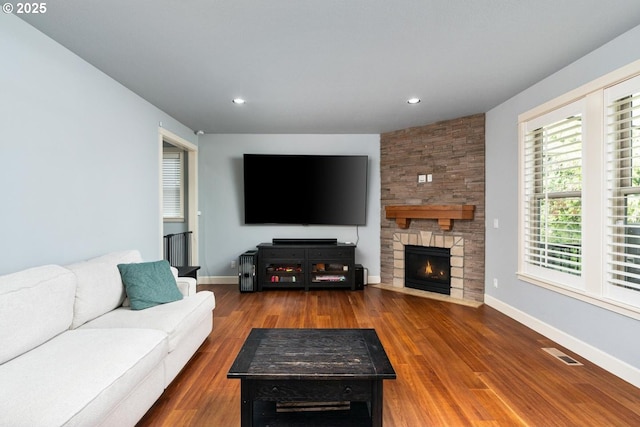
<point x="592" y="288"/>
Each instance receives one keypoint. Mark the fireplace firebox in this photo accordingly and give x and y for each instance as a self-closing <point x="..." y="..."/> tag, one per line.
<point x="427" y="268"/>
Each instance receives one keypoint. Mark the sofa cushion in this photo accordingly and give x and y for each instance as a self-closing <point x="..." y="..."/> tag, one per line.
<point x="100" y="287"/>
<point x="78" y="377"/>
<point x="35" y="305"/>
<point x="176" y="319"/>
<point x="149" y="284"/>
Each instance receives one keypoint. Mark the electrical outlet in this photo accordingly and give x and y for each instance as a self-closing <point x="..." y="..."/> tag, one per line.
<point x="495" y="282"/>
<point x="233" y="264"/>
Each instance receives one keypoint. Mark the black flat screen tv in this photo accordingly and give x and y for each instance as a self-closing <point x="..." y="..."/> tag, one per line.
<point x="305" y="189"/>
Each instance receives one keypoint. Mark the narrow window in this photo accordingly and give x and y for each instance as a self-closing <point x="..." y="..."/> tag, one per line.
<point x="172" y="186"/>
<point x="553" y="195"/>
<point x="623" y="187"/>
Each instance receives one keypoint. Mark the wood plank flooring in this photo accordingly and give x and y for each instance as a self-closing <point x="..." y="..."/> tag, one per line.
<point x="455" y="365"/>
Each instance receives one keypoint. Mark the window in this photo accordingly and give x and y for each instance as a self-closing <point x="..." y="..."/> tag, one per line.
<point x="172" y="185"/>
<point x="623" y="188"/>
<point x="579" y="222"/>
<point x="552" y="208"/>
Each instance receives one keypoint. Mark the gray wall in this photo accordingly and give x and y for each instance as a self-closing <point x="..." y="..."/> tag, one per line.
<point x="223" y="236"/>
<point x="81" y="157"/>
<point x="585" y="325"/>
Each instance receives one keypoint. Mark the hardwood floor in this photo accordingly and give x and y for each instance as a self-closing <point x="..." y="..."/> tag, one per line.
<point x="455" y="365"/>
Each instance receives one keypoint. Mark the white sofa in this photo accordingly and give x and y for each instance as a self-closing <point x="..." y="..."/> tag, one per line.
<point x="71" y="354"/>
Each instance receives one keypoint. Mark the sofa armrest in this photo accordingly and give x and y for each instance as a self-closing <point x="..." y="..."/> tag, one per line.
<point x="186" y="285"/>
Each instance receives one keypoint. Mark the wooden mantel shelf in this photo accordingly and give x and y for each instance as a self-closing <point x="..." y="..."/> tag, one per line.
<point x="445" y="214"/>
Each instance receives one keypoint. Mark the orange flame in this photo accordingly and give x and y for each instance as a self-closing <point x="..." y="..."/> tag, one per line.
<point x="429" y="270"/>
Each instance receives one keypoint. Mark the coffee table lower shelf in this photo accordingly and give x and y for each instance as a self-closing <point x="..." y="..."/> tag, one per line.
<point x="267" y="414"/>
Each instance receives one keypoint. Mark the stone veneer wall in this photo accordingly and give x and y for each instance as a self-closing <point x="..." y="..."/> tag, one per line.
<point x="453" y="151"/>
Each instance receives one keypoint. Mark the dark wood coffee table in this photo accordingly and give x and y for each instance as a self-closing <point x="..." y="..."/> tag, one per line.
<point x="280" y="367"/>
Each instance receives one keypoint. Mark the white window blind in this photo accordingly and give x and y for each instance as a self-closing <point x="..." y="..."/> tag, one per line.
<point x="623" y="192"/>
<point x="552" y="235"/>
<point x="172" y="186"/>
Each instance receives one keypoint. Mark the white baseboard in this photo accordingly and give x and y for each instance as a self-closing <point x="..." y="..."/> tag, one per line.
<point x="606" y="361"/>
<point x="218" y="280"/>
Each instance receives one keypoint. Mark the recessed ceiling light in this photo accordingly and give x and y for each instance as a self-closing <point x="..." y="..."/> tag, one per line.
<point x="413" y="100"/>
<point x="238" y="101"/>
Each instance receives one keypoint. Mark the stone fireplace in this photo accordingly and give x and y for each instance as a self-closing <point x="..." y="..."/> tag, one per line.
<point x="455" y="244"/>
<point x="453" y="153"/>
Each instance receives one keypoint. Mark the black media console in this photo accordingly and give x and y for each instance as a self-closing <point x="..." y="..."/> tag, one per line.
<point x="306" y="264"/>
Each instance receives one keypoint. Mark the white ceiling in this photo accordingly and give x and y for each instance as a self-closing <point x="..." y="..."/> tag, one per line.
<point x="330" y="66"/>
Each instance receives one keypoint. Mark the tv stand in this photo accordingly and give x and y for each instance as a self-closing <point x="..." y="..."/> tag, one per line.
<point x="306" y="265"/>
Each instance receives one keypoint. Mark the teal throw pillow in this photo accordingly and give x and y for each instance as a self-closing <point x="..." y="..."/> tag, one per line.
<point x="149" y="284"/>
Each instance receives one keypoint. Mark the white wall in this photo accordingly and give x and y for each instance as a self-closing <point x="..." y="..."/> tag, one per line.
<point x="223" y="236"/>
<point x="80" y="152"/>
<point x="604" y="337"/>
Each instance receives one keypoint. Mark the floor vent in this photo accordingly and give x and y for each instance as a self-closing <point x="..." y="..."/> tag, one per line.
<point x="567" y="360"/>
